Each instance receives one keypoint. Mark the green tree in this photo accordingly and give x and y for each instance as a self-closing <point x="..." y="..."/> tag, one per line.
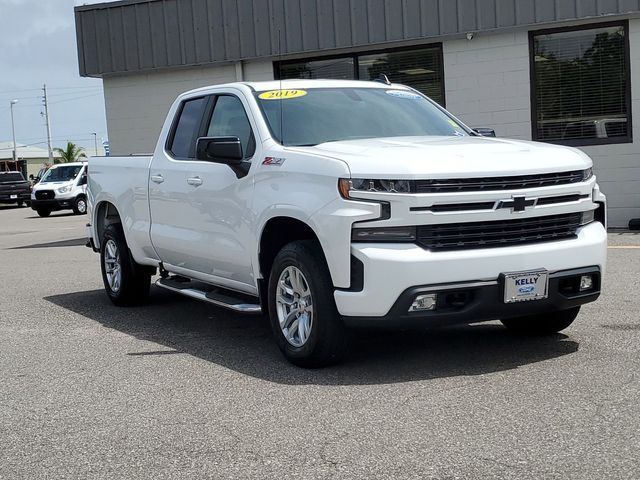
<point x="72" y="153"/>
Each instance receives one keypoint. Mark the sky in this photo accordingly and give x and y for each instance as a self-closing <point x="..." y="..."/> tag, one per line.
<point x="38" y="46"/>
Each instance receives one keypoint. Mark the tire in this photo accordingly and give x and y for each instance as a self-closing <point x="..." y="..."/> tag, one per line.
<point x="43" y="212"/>
<point x="318" y="337"/>
<point x="542" y="324"/>
<point x="125" y="282"/>
<point x="80" y="205"/>
<point x="20" y="203"/>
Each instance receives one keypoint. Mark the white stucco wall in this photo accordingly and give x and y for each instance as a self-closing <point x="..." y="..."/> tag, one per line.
<point x="488" y="85"/>
<point x="136" y="105"/>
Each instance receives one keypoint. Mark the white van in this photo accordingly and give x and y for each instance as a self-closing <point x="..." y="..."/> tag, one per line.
<point x="62" y="187"/>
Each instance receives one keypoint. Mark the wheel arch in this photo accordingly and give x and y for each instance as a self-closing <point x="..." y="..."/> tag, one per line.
<point x="106" y="213"/>
<point x="277" y="232"/>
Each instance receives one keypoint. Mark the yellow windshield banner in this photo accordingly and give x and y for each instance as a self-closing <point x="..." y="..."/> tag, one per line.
<point x="282" y="94"/>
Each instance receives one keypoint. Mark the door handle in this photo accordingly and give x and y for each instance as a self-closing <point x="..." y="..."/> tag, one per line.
<point x="157" y="178"/>
<point x="194" y="181"/>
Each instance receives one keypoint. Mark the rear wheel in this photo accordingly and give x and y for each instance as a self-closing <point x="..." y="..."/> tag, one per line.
<point x="303" y="313"/>
<point x="125" y="282"/>
<point x="542" y="324"/>
<point x="80" y="206"/>
<point x="20" y="203"/>
<point x="43" y="212"/>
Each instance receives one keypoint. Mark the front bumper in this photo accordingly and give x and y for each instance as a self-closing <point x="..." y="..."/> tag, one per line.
<point x="389" y="271"/>
<point x="52" y="204"/>
<point x="477" y="302"/>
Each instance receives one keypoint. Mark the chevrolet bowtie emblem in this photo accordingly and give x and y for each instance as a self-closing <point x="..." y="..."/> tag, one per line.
<point x="518" y="203"/>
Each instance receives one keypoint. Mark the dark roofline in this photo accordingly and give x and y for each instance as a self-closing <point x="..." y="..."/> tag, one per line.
<point x="131" y="36"/>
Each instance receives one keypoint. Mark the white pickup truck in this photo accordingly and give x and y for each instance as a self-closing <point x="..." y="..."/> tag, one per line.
<point x="329" y="205"/>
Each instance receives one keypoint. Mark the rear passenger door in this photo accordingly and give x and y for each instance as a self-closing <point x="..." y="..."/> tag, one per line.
<point x="200" y="210"/>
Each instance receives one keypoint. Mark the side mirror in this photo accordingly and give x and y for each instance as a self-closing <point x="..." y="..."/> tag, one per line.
<point x="485" y="132"/>
<point x="227" y="150"/>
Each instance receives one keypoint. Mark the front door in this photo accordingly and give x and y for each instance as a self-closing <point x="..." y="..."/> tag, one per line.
<point x="200" y="210"/>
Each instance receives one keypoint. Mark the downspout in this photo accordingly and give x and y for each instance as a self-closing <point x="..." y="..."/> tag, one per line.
<point x="239" y="71"/>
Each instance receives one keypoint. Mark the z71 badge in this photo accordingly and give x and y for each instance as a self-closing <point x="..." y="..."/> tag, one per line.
<point x="273" y="161"/>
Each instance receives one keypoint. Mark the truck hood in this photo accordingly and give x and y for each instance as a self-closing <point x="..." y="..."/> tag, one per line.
<point x="50" y="185"/>
<point x="442" y="157"/>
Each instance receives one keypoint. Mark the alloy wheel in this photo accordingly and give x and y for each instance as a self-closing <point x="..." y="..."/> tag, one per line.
<point x="294" y="305"/>
<point x="113" y="270"/>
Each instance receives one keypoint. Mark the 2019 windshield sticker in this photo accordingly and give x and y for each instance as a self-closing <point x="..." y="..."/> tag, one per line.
<point x="404" y="94"/>
<point x="281" y="94"/>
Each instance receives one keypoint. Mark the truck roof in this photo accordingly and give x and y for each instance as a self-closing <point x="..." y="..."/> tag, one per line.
<point x="301" y="84"/>
<point x="68" y="164"/>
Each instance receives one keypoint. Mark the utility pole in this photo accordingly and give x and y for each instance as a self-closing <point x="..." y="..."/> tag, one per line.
<point x="95" y="143"/>
<point x="13" y="131"/>
<point x="46" y="116"/>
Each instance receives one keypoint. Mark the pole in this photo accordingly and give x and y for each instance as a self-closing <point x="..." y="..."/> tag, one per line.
<point x="95" y="143"/>
<point x="46" y="115"/>
<point x="13" y="131"/>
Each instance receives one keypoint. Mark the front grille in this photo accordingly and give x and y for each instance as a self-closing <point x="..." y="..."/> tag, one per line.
<point x="498" y="183"/>
<point x="45" y="195"/>
<point x="466" y="236"/>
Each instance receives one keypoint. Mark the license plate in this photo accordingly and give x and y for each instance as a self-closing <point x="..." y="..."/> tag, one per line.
<point x="13" y="196"/>
<point x="526" y="286"/>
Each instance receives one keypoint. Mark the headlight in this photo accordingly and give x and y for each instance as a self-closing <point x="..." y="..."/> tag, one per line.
<point x="587" y="174"/>
<point x="384" y="234"/>
<point x="65" y="189"/>
<point x="346" y="186"/>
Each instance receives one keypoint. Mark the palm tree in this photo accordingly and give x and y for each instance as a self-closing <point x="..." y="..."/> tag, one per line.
<point x="70" y="154"/>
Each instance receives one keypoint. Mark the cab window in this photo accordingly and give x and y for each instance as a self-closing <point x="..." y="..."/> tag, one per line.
<point x="183" y="141"/>
<point x="229" y="119"/>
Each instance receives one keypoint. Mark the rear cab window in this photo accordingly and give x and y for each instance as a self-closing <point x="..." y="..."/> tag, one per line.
<point x="11" y="177"/>
<point x="182" y="142"/>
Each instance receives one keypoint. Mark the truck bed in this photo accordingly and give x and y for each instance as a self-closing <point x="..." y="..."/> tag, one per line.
<point x="124" y="181"/>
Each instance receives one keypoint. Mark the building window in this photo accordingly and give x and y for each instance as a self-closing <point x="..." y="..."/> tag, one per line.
<point x="420" y="68"/>
<point x="580" y="88"/>
<point x="336" y="68"/>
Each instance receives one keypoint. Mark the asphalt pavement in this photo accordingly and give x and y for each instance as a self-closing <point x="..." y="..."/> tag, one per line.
<point x="181" y="389"/>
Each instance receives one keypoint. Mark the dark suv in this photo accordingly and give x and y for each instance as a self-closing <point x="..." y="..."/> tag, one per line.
<point x="14" y="188"/>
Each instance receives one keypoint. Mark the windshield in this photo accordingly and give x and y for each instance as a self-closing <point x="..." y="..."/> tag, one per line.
<point x="319" y="115"/>
<point x="61" y="174"/>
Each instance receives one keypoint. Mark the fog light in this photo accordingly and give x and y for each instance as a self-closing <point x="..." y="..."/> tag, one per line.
<point x="423" y="303"/>
<point x="586" y="283"/>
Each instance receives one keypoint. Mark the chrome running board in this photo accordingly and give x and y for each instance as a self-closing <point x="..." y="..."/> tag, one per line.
<point x="238" y="302"/>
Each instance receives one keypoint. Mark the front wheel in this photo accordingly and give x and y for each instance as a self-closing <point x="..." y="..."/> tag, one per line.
<point x="542" y="324"/>
<point x="20" y="203"/>
<point x="80" y="206"/>
<point x="125" y="282"/>
<point x="302" y="311"/>
<point x="44" y="212"/>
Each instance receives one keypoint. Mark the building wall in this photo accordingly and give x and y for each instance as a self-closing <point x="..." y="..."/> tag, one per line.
<point x="487" y="82"/>
<point x="136" y="35"/>
<point x="137" y="104"/>
<point x="488" y="85"/>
